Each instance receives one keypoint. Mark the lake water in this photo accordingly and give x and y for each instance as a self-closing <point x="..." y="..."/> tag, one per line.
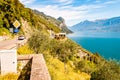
<point x="106" y="44"/>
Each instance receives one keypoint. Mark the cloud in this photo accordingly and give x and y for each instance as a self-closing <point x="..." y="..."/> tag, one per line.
<point x="69" y="13"/>
<point x="111" y="2"/>
<point x="27" y="1"/>
<point x="72" y="14"/>
<point x="63" y="1"/>
<point x="97" y="1"/>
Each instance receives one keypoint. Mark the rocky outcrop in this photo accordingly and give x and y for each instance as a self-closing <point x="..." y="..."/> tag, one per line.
<point x="63" y="26"/>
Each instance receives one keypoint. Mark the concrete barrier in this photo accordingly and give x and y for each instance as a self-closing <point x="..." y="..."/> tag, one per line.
<point x="39" y="69"/>
<point x="1" y="38"/>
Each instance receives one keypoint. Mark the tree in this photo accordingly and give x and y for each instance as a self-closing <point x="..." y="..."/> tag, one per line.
<point x="109" y="71"/>
<point x="66" y="52"/>
<point x="39" y="42"/>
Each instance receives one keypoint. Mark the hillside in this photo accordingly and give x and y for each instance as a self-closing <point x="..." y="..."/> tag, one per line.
<point x="105" y="25"/>
<point x="58" y="22"/>
<point x="65" y="59"/>
<point x="33" y="23"/>
<point x="11" y="10"/>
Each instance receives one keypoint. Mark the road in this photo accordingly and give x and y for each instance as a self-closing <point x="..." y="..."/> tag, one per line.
<point x="8" y="44"/>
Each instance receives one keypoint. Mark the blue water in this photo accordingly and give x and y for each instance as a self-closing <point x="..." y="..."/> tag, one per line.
<point x="106" y="44"/>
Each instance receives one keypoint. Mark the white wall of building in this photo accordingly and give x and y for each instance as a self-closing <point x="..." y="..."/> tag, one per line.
<point x="8" y="61"/>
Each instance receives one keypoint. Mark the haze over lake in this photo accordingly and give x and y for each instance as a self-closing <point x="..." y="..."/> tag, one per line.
<point x="106" y="44"/>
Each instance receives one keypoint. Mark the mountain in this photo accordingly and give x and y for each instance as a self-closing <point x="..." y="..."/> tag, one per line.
<point x="30" y="20"/>
<point x="60" y="22"/>
<point x="63" y="26"/>
<point x="12" y="10"/>
<point x="105" y="25"/>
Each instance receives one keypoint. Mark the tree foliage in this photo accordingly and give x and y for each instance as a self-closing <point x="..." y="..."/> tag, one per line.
<point x="39" y="42"/>
<point x="64" y="50"/>
<point x="108" y="71"/>
<point x="11" y="10"/>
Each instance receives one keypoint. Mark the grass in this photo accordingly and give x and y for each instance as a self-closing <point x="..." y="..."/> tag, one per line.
<point x="58" y="72"/>
<point x="57" y="69"/>
<point x="25" y="72"/>
<point x="24" y="50"/>
<point x="9" y="76"/>
<point x="4" y="31"/>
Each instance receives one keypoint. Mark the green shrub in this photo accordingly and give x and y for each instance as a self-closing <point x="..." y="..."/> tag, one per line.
<point x="24" y="50"/>
<point x="9" y="76"/>
<point x="108" y="71"/>
<point x="57" y="70"/>
<point x="85" y="66"/>
<point x="39" y="42"/>
<point x="4" y="31"/>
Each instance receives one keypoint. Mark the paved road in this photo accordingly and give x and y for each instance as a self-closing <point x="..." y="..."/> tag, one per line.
<point x="8" y="44"/>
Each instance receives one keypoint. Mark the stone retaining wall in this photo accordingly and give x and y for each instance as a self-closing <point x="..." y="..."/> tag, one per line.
<point x="39" y="69"/>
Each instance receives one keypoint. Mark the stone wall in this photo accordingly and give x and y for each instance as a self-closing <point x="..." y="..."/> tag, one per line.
<point x="39" y="69"/>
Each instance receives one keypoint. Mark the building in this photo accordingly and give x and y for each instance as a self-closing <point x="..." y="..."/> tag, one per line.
<point x="60" y="36"/>
<point x="8" y="61"/>
<point x="57" y="36"/>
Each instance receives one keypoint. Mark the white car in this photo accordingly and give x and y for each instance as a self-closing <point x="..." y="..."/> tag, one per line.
<point x="21" y="37"/>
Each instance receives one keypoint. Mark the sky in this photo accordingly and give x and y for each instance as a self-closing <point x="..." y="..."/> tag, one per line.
<point x="75" y="11"/>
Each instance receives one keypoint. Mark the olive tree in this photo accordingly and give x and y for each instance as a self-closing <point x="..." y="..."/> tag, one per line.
<point x="39" y="42"/>
<point x="109" y="71"/>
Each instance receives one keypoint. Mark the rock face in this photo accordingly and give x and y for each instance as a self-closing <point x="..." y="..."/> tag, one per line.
<point x="63" y="26"/>
<point x="61" y="19"/>
<point x="105" y="25"/>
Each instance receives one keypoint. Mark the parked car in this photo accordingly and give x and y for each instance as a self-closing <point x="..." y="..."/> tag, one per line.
<point x="21" y="37"/>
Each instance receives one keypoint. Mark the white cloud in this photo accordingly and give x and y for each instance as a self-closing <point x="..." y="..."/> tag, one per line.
<point x="70" y="13"/>
<point x="27" y="1"/>
<point x="65" y="2"/>
<point x="97" y="1"/>
<point x="111" y="2"/>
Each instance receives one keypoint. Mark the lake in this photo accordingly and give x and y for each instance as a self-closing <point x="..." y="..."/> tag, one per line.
<point x="106" y="44"/>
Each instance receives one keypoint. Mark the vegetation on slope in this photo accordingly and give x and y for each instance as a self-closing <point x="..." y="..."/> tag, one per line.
<point x="60" y="22"/>
<point x="11" y="10"/>
<point x="23" y="50"/>
<point x="109" y="70"/>
<point x="58" y="72"/>
<point x="9" y="76"/>
<point x="62" y="56"/>
<point x="64" y="52"/>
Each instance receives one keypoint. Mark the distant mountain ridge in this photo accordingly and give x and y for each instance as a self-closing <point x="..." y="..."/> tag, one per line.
<point x="104" y="25"/>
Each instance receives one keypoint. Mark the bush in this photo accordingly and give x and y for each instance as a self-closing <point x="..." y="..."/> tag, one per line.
<point x="9" y="76"/>
<point x="39" y="42"/>
<point x="109" y="71"/>
<point x="57" y="72"/>
<point x="85" y="66"/>
<point x="4" y="31"/>
<point x="24" y="50"/>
